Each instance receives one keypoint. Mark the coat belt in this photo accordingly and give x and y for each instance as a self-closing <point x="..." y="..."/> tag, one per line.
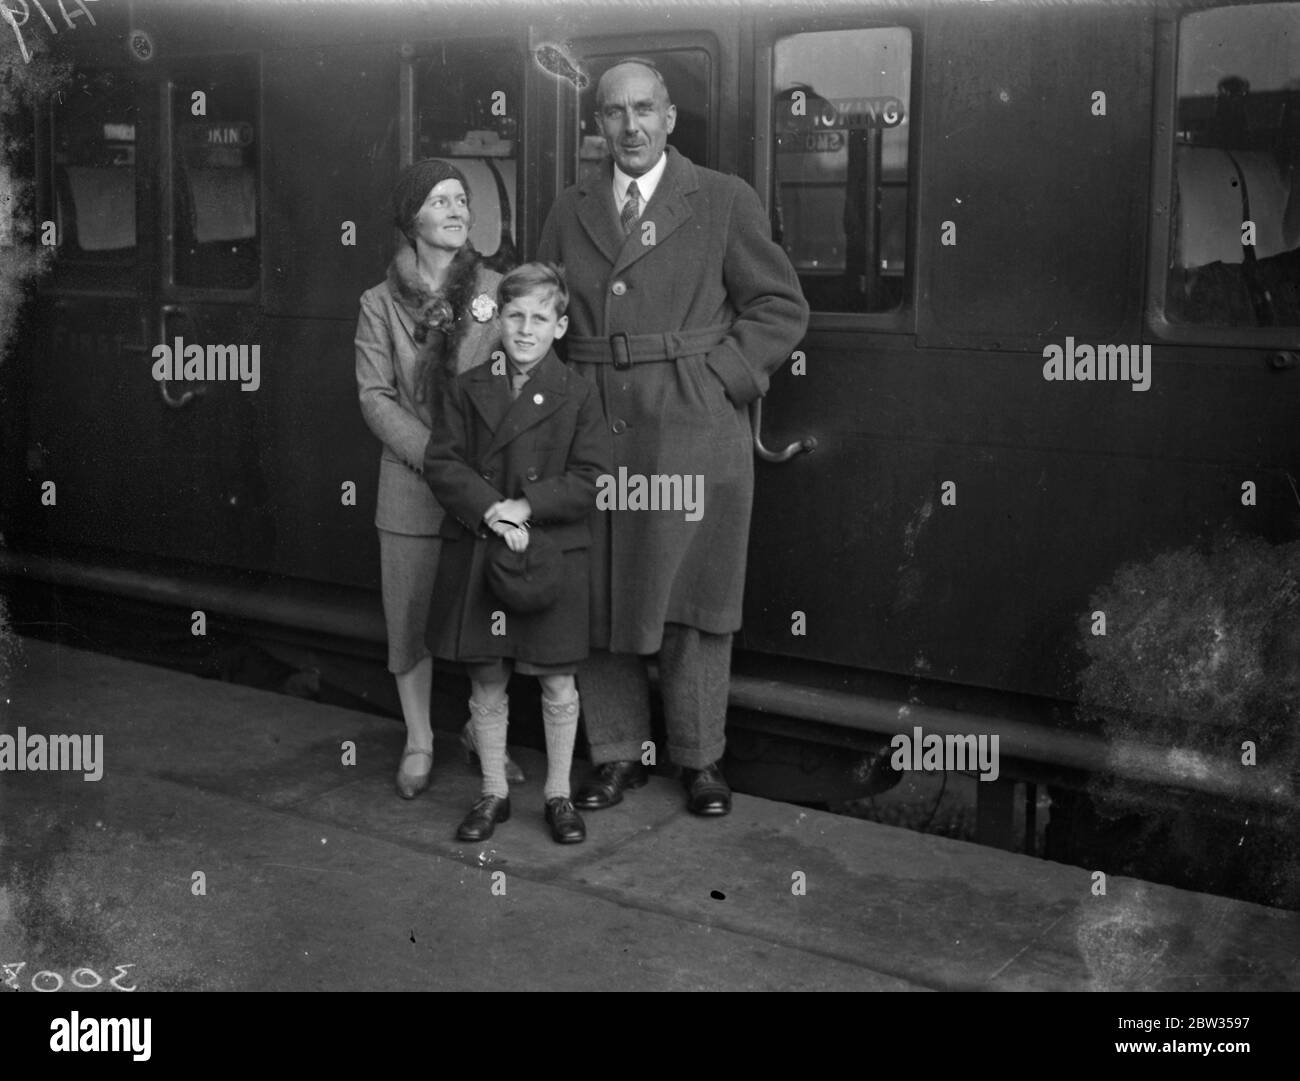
<point x="624" y="350"/>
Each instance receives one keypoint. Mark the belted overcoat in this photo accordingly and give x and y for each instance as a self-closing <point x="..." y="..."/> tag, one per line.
<point x="700" y="273"/>
<point x="549" y="445"/>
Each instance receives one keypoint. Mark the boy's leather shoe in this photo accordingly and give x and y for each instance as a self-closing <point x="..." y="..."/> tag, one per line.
<point x="482" y="817"/>
<point x="606" y="788"/>
<point x="708" y="793"/>
<point x="567" y="827"/>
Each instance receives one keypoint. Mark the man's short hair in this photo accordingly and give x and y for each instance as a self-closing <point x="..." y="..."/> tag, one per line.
<point x="531" y="278"/>
<point x="658" y="75"/>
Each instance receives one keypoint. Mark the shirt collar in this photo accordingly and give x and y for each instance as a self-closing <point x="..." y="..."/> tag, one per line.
<point x="645" y="184"/>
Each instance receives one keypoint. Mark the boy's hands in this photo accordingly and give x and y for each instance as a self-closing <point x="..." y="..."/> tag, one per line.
<point x="502" y="517"/>
<point x="515" y="537"/>
<point x="512" y="510"/>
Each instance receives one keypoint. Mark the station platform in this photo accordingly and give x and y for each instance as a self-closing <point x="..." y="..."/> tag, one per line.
<point x="316" y="876"/>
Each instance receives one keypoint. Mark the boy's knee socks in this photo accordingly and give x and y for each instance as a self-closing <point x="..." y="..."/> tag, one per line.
<point x="560" y="717"/>
<point x="490" y="724"/>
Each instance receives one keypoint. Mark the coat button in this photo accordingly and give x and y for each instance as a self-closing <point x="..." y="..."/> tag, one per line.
<point x="531" y="474"/>
<point x="618" y="288"/>
<point x="619" y="426"/>
<point x="487" y="474"/>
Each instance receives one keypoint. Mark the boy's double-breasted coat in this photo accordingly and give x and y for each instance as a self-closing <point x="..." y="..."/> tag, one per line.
<point x="549" y="445"/>
<point x="710" y="306"/>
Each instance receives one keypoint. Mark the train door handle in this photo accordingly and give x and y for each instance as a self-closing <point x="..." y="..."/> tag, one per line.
<point x="806" y="445"/>
<point x="164" y="391"/>
<point x="175" y="403"/>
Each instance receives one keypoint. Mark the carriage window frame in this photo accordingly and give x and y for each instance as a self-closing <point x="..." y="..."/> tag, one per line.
<point x="89" y="271"/>
<point x="592" y="52"/>
<point x="1161" y="239"/>
<point x="900" y="319"/>
<point x="610" y="48"/>
<point x="175" y="89"/>
<point x="416" y="53"/>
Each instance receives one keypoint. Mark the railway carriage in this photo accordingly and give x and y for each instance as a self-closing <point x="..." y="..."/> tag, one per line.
<point x="1043" y="346"/>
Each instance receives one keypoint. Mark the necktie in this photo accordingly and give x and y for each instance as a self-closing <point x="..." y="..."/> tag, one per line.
<point x="517" y="381"/>
<point x="631" y="209"/>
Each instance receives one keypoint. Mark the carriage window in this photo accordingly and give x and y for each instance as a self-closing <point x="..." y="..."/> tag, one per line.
<point x="468" y="109"/>
<point x="689" y="77"/>
<point x="94" y="128"/>
<point x="215" y="154"/>
<point x="1235" y="251"/>
<point x="840" y="132"/>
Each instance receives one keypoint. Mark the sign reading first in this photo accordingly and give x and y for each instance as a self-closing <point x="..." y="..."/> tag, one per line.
<point x="18" y="13"/>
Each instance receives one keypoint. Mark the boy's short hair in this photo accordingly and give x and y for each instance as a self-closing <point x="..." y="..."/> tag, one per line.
<point x="534" y="278"/>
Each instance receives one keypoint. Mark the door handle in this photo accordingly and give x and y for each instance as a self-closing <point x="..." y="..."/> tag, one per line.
<point x="175" y="403"/>
<point x="164" y="391"/>
<point x="806" y="445"/>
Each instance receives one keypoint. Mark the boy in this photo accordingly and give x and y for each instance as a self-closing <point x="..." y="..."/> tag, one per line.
<point x="517" y="445"/>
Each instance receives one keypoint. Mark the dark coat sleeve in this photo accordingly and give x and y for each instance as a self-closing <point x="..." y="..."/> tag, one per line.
<point x="764" y="289"/>
<point x="571" y="497"/>
<point x="455" y="484"/>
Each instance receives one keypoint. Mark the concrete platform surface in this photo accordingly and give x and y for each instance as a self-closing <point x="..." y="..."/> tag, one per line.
<point x="229" y="845"/>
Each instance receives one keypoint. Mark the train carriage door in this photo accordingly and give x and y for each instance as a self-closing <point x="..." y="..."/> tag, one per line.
<point x="834" y="127"/>
<point x="208" y="409"/>
<point x="144" y="398"/>
<point x="87" y="364"/>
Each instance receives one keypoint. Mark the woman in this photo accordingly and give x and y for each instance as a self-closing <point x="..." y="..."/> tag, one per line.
<point x="432" y="314"/>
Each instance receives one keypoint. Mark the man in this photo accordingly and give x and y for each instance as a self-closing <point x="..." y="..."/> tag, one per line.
<point x="680" y="308"/>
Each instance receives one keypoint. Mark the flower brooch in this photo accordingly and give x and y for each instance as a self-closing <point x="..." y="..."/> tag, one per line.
<point x="482" y="308"/>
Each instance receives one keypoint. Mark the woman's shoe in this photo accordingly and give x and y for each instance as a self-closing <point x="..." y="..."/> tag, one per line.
<point x="483" y="817"/>
<point x="410" y="785"/>
<point x="514" y="775"/>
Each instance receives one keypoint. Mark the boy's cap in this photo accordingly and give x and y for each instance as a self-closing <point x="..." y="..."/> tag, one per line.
<point x="527" y="581"/>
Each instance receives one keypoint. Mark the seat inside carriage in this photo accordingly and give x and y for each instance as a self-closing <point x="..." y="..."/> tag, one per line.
<point x="1235" y="256"/>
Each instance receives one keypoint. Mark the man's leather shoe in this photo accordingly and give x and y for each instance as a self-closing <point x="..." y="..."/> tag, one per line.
<point x="606" y="788"/>
<point x="567" y="827"/>
<point x="708" y="791"/>
<point x="482" y="817"/>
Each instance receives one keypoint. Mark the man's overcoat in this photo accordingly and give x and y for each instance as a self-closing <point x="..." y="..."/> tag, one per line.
<point x="549" y="445"/>
<point x="699" y="270"/>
